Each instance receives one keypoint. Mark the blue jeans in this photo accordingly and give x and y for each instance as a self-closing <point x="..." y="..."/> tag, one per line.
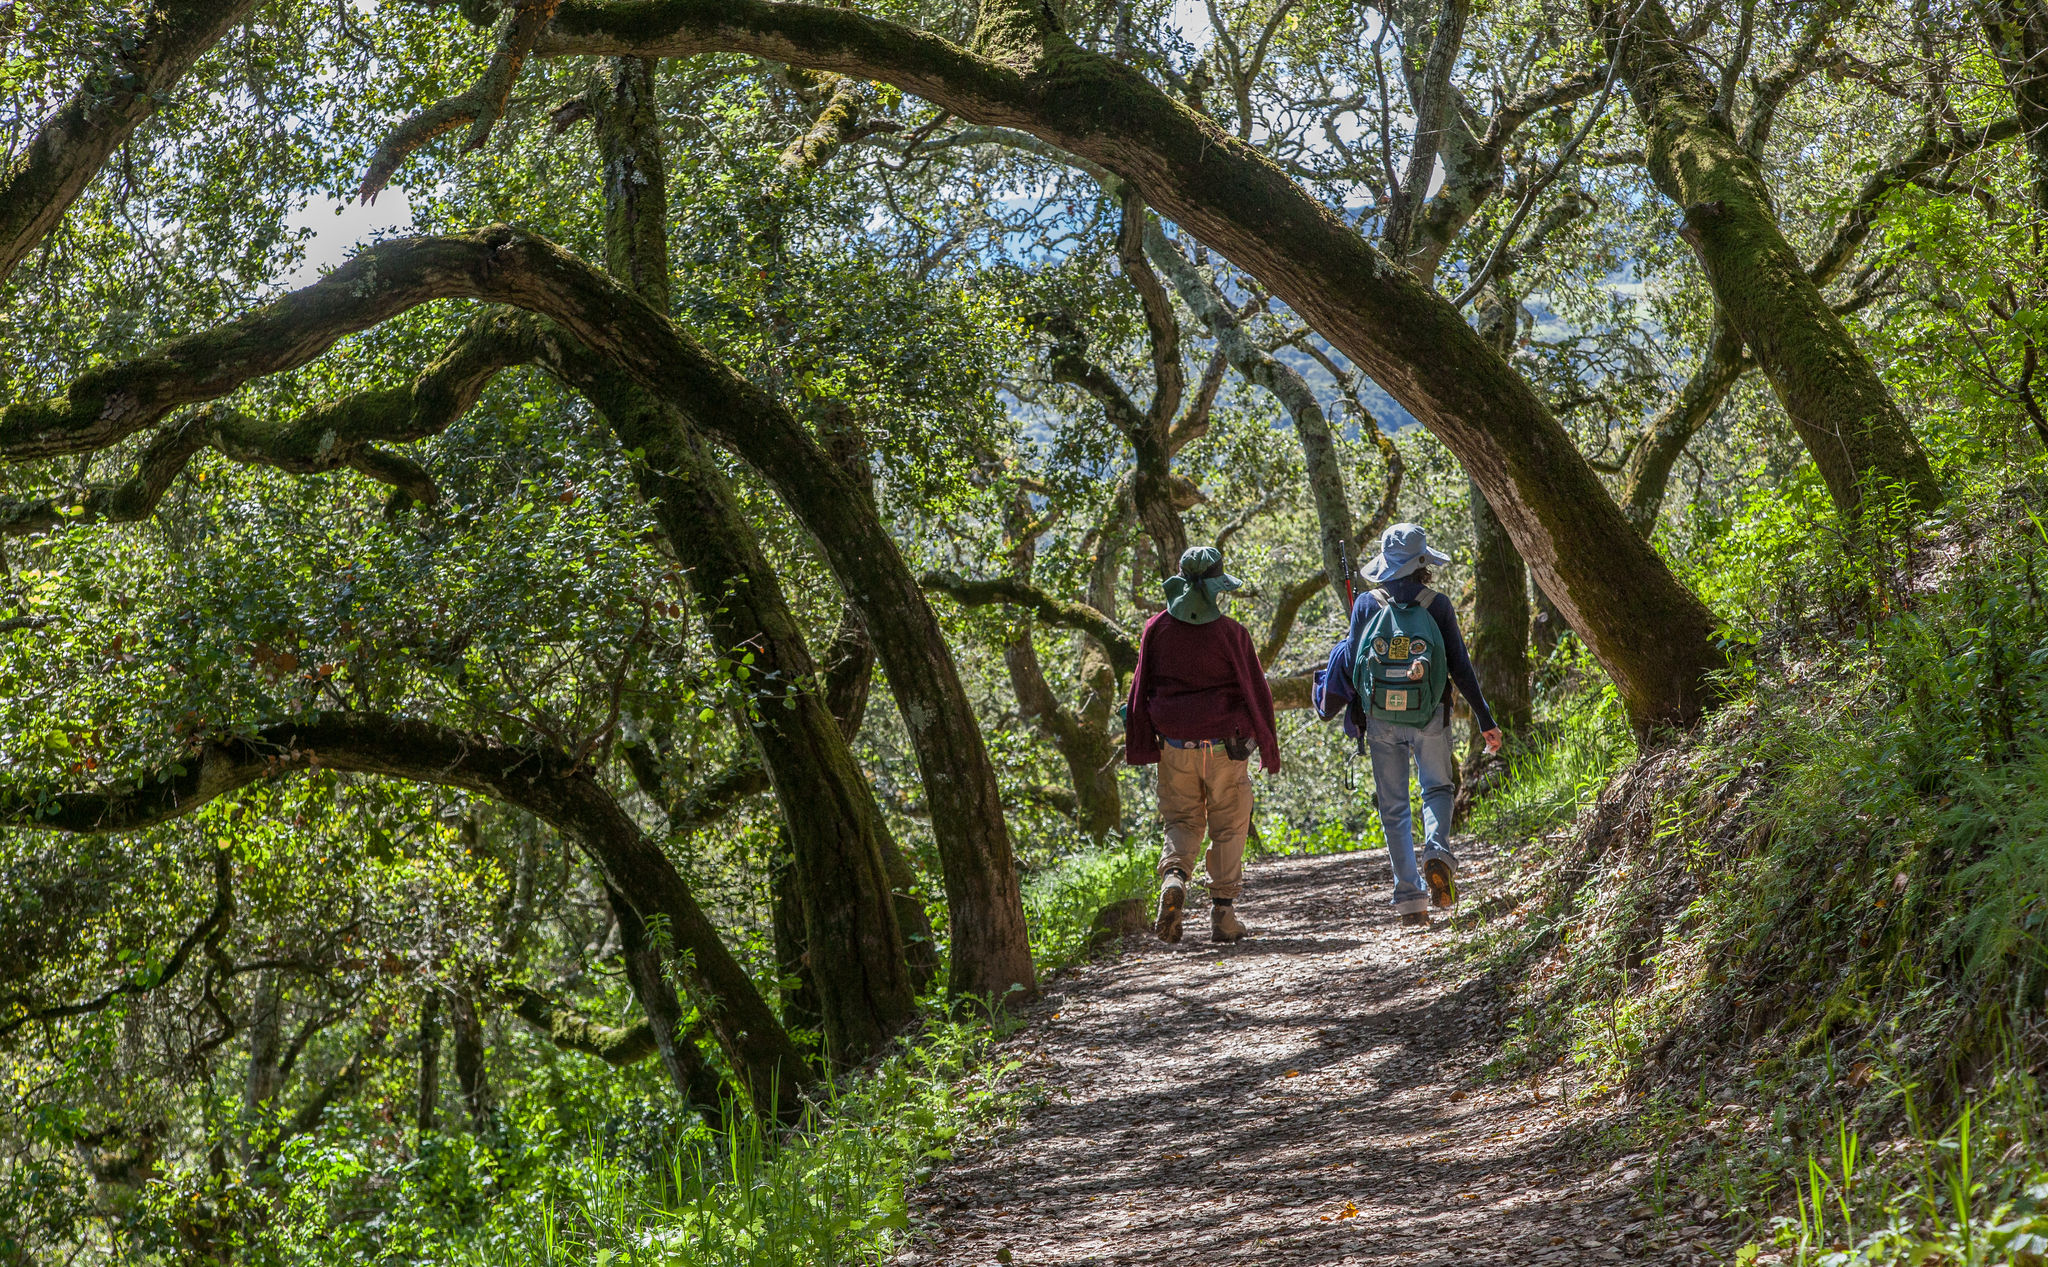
<point x="1392" y="746"/>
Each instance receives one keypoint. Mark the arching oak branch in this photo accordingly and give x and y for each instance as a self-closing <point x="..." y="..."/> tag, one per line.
<point x="1653" y="636"/>
<point x="550" y="785"/>
<point x="1048" y="607"/>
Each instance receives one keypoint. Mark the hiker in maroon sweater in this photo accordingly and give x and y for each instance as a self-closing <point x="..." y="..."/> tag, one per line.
<point x="1199" y="702"/>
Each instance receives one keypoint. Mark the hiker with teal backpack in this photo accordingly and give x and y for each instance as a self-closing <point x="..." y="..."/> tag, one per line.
<point x="1391" y="680"/>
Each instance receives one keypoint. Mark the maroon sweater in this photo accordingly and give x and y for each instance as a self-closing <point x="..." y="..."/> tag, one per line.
<point x="1198" y="682"/>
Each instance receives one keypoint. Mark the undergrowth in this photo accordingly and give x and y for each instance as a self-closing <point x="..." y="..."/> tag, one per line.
<point x="1807" y="940"/>
<point x="622" y="1181"/>
<point x="830" y="1192"/>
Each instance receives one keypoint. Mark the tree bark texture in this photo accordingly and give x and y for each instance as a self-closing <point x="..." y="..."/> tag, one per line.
<point x="426" y="1111"/>
<point x="1499" y="636"/>
<point x="1650" y="633"/>
<point x="849" y="677"/>
<point x="798" y="987"/>
<point x="1830" y="390"/>
<point x="128" y="82"/>
<point x="562" y="1025"/>
<point x="864" y="989"/>
<point x="472" y="1077"/>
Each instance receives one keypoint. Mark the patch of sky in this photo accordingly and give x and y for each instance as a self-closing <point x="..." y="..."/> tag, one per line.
<point x="337" y="230"/>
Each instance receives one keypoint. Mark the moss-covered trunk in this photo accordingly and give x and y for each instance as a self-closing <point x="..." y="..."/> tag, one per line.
<point x="849" y="672"/>
<point x="835" y="829"/>
<point x="799" y="990"/>
<point x="1499" y="637"/>
<point x="1829" y="388"/>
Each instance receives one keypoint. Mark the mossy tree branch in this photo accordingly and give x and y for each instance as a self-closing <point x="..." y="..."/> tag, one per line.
<point x="550" y="784"/>
<point x="570" y="1030"/>
<point x="2017" y="33"/>
<point x="1831" y="392"/>
<point x="337" y="435"/>
<point x="480" y="106"/>
<point x="46" y="176"/>
<point x="1048" y="607"/>
<point x="618" y="328"/>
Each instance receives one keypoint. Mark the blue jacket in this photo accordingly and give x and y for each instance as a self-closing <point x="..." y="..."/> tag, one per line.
<point x="1334" y="692"/>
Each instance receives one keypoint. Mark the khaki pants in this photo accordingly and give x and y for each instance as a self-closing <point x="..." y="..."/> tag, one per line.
<point x="1202" y="790"/>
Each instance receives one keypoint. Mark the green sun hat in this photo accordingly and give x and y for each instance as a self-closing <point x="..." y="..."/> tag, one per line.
<point x="1191" y="595"/>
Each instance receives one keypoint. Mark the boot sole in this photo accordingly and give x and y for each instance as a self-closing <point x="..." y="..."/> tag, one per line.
<point x="1166" y="926"/>
<point x="1443" y="887"/>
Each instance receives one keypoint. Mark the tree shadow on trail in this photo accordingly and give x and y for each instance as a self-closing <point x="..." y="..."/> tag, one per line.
<point x="1301" y="1097"/>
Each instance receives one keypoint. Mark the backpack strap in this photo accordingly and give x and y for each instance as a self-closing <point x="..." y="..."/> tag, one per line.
<point x="1424" y="597"/>
<point x="1386" y="599"/>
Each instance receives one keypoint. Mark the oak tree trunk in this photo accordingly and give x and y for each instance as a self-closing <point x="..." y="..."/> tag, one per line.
<point x="798" y="987"/>
<point x="472" y="1078"/>
<point x="427" y="1097"/>
<point x="1499" y="637"/>
<point x="864" y="987"/>
<point x="688" y="1072"/>
<point x="1829" y="388"/>
<point x="2017" y="32"/>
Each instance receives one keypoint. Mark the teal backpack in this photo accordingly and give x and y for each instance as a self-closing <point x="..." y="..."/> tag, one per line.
<point x="1397" y="635"/>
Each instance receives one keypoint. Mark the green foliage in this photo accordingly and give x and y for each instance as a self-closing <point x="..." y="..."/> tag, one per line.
<point x="1061" y="903"/>
<point x="1824" y="904"/>
<point x="831" y="1192"/>
<point x="1580" y="738"/>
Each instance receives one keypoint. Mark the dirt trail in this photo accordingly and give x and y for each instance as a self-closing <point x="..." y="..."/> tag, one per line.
<point x="1310" y="1095"/>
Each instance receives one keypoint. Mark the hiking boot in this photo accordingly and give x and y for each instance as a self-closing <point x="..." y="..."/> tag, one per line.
<point x="1224" y="925"/>
<point x="1440" y="873"/>
<point x="1415" y="919"/>
<point x="1173" y="895"/>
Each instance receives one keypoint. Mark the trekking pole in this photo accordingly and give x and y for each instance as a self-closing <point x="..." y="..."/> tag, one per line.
<point x="1344" y="566"/>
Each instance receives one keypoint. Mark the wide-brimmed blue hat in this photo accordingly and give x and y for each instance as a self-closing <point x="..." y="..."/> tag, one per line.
<point x="1191" y="595"/>
<point x="1403" y="549"/>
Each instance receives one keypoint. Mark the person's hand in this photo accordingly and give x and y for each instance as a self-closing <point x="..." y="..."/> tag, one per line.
<point x="1492" y="738"/>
